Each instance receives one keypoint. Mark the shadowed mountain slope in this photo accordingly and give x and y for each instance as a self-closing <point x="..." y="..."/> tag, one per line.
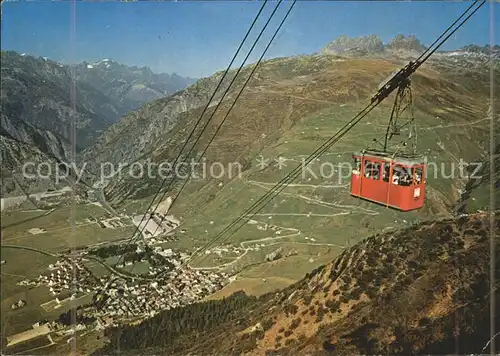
<point x="424" y="289"/>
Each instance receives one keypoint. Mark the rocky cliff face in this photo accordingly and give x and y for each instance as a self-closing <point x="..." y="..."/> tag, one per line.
<point x="19" y="132"/>
<point x="480" y="50"/>
<point x="372" y="45"/>
<point x="42" y="106"/>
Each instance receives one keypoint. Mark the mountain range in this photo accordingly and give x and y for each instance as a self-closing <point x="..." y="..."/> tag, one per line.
<point x="374" y="46"/>
<point x="129" y="86"/>
<point x="42" y="105"/>
<point x="37" y="94"/>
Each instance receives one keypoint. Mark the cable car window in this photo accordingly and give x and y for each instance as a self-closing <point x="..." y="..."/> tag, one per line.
<point x="372" y="170"/>
<point x="367" y="171"/>
<point x="376" y="171"/>
<point x="405" y="177"/>
<point x="401" y="175"/>
<point x="386" y="172"/>
<point x="418" y="175"/>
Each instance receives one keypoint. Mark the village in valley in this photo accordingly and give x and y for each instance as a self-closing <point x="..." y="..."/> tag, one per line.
<point x="139" y="279"/>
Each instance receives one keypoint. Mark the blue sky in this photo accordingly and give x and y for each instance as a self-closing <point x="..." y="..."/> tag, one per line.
<point x="197" y="38"/>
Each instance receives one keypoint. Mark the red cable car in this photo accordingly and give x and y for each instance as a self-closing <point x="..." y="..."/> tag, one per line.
<point x="393" y="177"/>
<point x="396" y="182"/>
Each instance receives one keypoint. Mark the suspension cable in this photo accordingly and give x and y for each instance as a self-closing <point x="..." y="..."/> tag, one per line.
<point x="197" y="123"/>
<point x="211" y="117"/>
<point x="259" y="204"/>
<point x="237" y="97"/>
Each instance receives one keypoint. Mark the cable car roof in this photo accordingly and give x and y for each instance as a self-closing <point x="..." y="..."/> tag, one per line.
<point x="404" y="159"/>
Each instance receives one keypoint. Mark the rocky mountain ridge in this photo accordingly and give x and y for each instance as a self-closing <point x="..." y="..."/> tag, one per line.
<point x="372" y="45"/>
<point x="131" y="86"/>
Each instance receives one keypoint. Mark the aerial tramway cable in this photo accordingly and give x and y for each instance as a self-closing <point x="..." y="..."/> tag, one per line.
<point x="243" y="87"/>
<point x="236" y="99"/>
<point x="211" y="117"/>
<point x="195" y="127"/>
<point x="206" y="125"/>
<point x="382" y="93"/>
<point x="131" y="239"/>
<point x="227" y="114"/>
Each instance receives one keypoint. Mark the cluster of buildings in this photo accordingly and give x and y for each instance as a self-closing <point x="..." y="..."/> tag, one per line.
<point x="50" y="330"/>
<point x="66" y="275"/>
<point x="161" y="283"/>
<point x="154" y="224"/>
<point x="265" y="227"/>
<point x="157" y="240"/>
<point x="164" y="287"/>
<point x="167" y="222"/>
<point x="168" y="286"/>
<point x="225" y="249"/>
<point x="179" y="287"/>
<point x="275" y="254"/>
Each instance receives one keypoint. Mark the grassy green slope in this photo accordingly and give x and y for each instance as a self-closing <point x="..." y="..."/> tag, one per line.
<point x="291" y="107"/>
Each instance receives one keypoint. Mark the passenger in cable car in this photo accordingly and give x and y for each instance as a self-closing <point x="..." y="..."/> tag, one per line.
<point x="372" y="170"/>
<point x="406" y="180"/>
<point x="357" y="169"/>
<point x="395" y="178"/>
<point x="368" y="169"/>
<point x="418" y="179"/>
